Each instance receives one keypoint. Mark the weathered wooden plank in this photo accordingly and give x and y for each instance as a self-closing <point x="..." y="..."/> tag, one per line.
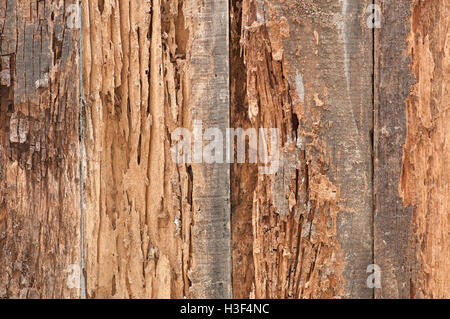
<point x="392" y="220"/>
<point x="210" y="274"/>
<point x="308" y="72"/>
<point x="411" y="148"/>
<point x="154" y="228"/>
<point x="39" y="151"/>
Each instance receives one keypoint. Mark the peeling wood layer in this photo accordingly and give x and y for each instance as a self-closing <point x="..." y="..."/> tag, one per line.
<point x="425" y="181"/>
<point x="308" y="72"/>
<point x="39" y="150"/>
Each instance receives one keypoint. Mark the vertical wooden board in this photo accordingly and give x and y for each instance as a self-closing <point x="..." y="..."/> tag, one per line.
<point x="392" y="220"/>
<point x="39" y="151"/>
<point x="118" y="250"/>
<point x="154" y="228"/>
<point x="412" y="165"/>
<point x="308" y="70"/>
<point x="210" y="274"/>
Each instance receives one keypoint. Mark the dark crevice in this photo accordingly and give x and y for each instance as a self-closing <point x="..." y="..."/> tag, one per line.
<point x="372" y="142"/>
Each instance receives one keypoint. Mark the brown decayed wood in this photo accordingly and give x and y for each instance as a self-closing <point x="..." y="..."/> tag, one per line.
<point x="154" y="228"/>
<point x="425" y="181"/>
<point x="308" y="68"/>
<point x="39" y="150"/>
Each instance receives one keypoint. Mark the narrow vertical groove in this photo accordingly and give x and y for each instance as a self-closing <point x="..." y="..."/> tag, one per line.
<point x="230" y="120"/>
<point x="82" y="154"/>
<point x="373" y="143"/>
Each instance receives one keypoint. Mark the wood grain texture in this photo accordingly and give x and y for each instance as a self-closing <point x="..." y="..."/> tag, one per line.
<point x="88" y="178"/>
<point x="39" y="150"/>
<point x="411" y="143"/>
<point x="308" y="69"/>
<point x="154" y="228"/>
<point x="209" y="102"/>
<point x="392" y="220"/>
